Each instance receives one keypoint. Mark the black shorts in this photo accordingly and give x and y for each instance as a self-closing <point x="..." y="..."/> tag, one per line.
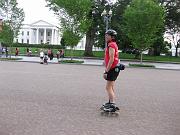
<point x="112" y="74"/>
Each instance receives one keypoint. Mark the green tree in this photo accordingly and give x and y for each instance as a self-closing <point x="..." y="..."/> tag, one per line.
<point x="118" y="9"/>
<point x="158" y="46"/>
<point x="71" y="39"/>
<point x="13" y="18"/>
<point x="6" y="35"/>
<point x="95" y="33"/>
<point x="96" y="27"/>
<point x="73" y="17"/>
<point x="117" y="19"/>
<point x="173" y="20"/>
<point x="72" y="32"/>
<point x="142" y="20"/>
<point x="63" y="43"/>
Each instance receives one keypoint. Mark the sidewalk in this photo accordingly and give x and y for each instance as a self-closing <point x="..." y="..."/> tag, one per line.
<point x="100" y="62"/>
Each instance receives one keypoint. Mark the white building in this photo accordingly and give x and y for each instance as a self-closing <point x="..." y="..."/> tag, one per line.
<point x="40" y="32"/>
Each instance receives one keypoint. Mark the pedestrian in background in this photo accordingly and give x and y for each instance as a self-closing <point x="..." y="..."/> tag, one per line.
<point x="41" y="54"/>
<point x="16" y="52"/>
<point x="58" y="55"/>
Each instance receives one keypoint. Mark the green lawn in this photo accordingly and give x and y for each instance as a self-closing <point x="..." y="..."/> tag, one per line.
<point x="141" y="65"/>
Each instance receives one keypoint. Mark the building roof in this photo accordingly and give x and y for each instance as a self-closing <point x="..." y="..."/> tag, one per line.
<point x="42" y="23"/>
<point x="39" y="24"/>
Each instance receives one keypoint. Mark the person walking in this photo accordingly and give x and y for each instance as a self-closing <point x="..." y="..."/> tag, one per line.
<point x="41" y="54"/>
<point x="111" y="73"/>
<point x="16" y="52"/>
<point x="6" y="50"/>
<point x="58" y="55"/>
<point x="61" y="53"/>
<point x="49" y="53"/>
<point x="45" y="58"/>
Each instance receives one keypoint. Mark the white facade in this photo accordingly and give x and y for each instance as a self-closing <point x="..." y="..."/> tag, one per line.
<point x="40" y="32"/>
<point x="82" y="43"/>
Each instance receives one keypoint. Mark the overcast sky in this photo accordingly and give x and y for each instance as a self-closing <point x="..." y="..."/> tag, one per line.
<point x="35" y="10"/>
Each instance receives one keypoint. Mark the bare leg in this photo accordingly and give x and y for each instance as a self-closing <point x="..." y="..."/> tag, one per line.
<point x="110" y="91"/>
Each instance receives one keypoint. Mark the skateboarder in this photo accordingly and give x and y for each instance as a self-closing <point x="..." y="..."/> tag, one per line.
<point x="111" y="73"/>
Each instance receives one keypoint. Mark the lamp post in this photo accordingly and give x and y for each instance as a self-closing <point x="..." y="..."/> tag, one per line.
<point x="1" y="23"/>
<point x="107" y="18"/>
<point x="178" y="10"/>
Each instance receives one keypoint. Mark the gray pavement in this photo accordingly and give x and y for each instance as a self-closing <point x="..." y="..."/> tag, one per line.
<point x="100" y="62"/>
<point x="62" y="99"/>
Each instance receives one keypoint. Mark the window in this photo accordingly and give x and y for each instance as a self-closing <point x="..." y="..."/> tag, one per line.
<point x="16" y="40"/>
<point x="28" y="33"/>
<point x="48" y="42"/>
<point x="41" y="41"/>
<point x="49" y="34"/>
<point x="22" y="33"/>
<point x="41" y="33"/>
<point x="22" y="41"/>
<point x="27" y="41"/>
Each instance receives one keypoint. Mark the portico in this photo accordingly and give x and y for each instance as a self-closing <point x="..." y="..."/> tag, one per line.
<point x="46" y="36"/>
<point x="40" y="32"/>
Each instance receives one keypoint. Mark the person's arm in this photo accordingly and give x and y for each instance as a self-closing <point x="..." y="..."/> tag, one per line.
<point x="111" y="59"/>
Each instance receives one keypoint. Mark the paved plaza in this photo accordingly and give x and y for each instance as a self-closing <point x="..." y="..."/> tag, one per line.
<point x="64" y="99"/>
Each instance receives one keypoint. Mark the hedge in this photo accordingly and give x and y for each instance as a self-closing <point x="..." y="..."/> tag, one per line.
<point x="33" y="45"/>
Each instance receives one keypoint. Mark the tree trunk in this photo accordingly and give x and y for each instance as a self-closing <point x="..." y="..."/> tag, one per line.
<point x="71" y="53"/>
<point x="155" y="51"/>
<point x="176" y="46"/>
<point x="89" y="42"/>
<point x="141" y="57"/>
<point x="10" y="51"/>
<point x="151" y="52"/>
<point x="176" y="51"/>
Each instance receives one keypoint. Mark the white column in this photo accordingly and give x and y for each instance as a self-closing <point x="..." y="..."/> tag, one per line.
<point x="45" y="36"/>
<point x="57" y="37"/>
<point x="30" y="36"/>
<point x="55" y="42"/>
<point x="52" y="36"/>
<point x="37" y="36"/>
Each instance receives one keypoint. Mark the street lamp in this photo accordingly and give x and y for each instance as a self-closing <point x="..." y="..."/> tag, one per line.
<point x="1" y="23"/>
<point x="178" y="10"/>
<point x="107" y="18"/>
